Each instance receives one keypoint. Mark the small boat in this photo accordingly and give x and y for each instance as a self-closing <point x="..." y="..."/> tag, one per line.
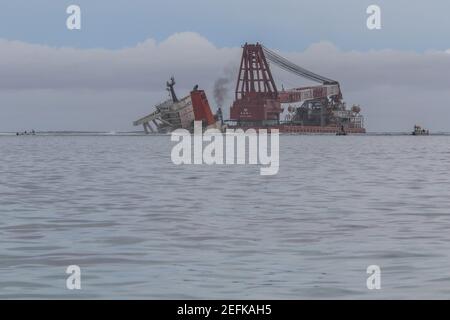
<point x="419" y="131"/>
<point x="26" y="133"/>
<point x="341" y="132"/>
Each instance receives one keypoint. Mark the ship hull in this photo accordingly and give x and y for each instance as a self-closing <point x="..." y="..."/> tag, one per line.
<point x="303" y="129"/>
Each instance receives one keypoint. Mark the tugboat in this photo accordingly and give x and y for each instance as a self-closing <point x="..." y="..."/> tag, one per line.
<point x="419" y="131"/>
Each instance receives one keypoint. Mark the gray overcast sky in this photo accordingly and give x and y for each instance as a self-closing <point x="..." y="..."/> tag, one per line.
<point x="284" y="24"/>
<point x="114" y="69"/>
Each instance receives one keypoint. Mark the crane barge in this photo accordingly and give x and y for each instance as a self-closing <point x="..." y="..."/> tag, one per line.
<point x="314" y="109"/>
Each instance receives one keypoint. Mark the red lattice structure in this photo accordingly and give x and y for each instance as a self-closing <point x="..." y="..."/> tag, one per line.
<point x="256" y="96"/>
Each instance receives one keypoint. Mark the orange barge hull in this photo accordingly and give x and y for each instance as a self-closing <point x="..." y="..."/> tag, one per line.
<point x="303" y="129"/>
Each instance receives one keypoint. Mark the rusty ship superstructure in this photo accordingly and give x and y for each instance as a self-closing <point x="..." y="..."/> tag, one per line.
<point x="177" y="113"/>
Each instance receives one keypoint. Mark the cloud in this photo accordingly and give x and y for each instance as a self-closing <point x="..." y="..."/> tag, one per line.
<point x="395" y="88"/>
<point x="146" y="66"/>
<point x="365" y="70"/>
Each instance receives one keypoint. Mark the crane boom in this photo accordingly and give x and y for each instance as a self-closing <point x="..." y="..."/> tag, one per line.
<point x="328" y="87"/>
<point x="292" y="67"/>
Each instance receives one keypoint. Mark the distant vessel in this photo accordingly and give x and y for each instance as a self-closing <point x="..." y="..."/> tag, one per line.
<point x="342" y="132"/>
<point x="26" y="133"/>
<point x="419" y="131"/>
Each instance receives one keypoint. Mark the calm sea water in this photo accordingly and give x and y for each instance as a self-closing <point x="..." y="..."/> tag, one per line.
<point x="141" y="227"/>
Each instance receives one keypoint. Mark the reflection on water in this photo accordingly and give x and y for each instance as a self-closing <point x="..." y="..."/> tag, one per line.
<point x="141" y="227"/>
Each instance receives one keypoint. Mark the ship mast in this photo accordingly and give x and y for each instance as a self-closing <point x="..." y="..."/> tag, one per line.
<point x="170" y="86"/>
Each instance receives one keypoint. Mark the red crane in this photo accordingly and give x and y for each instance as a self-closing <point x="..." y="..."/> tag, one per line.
<point x="256" y="93"/>
<point x="257" y="100"/>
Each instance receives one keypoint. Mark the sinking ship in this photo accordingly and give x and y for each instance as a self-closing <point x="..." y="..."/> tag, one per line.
<point x="177" y="113"/>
